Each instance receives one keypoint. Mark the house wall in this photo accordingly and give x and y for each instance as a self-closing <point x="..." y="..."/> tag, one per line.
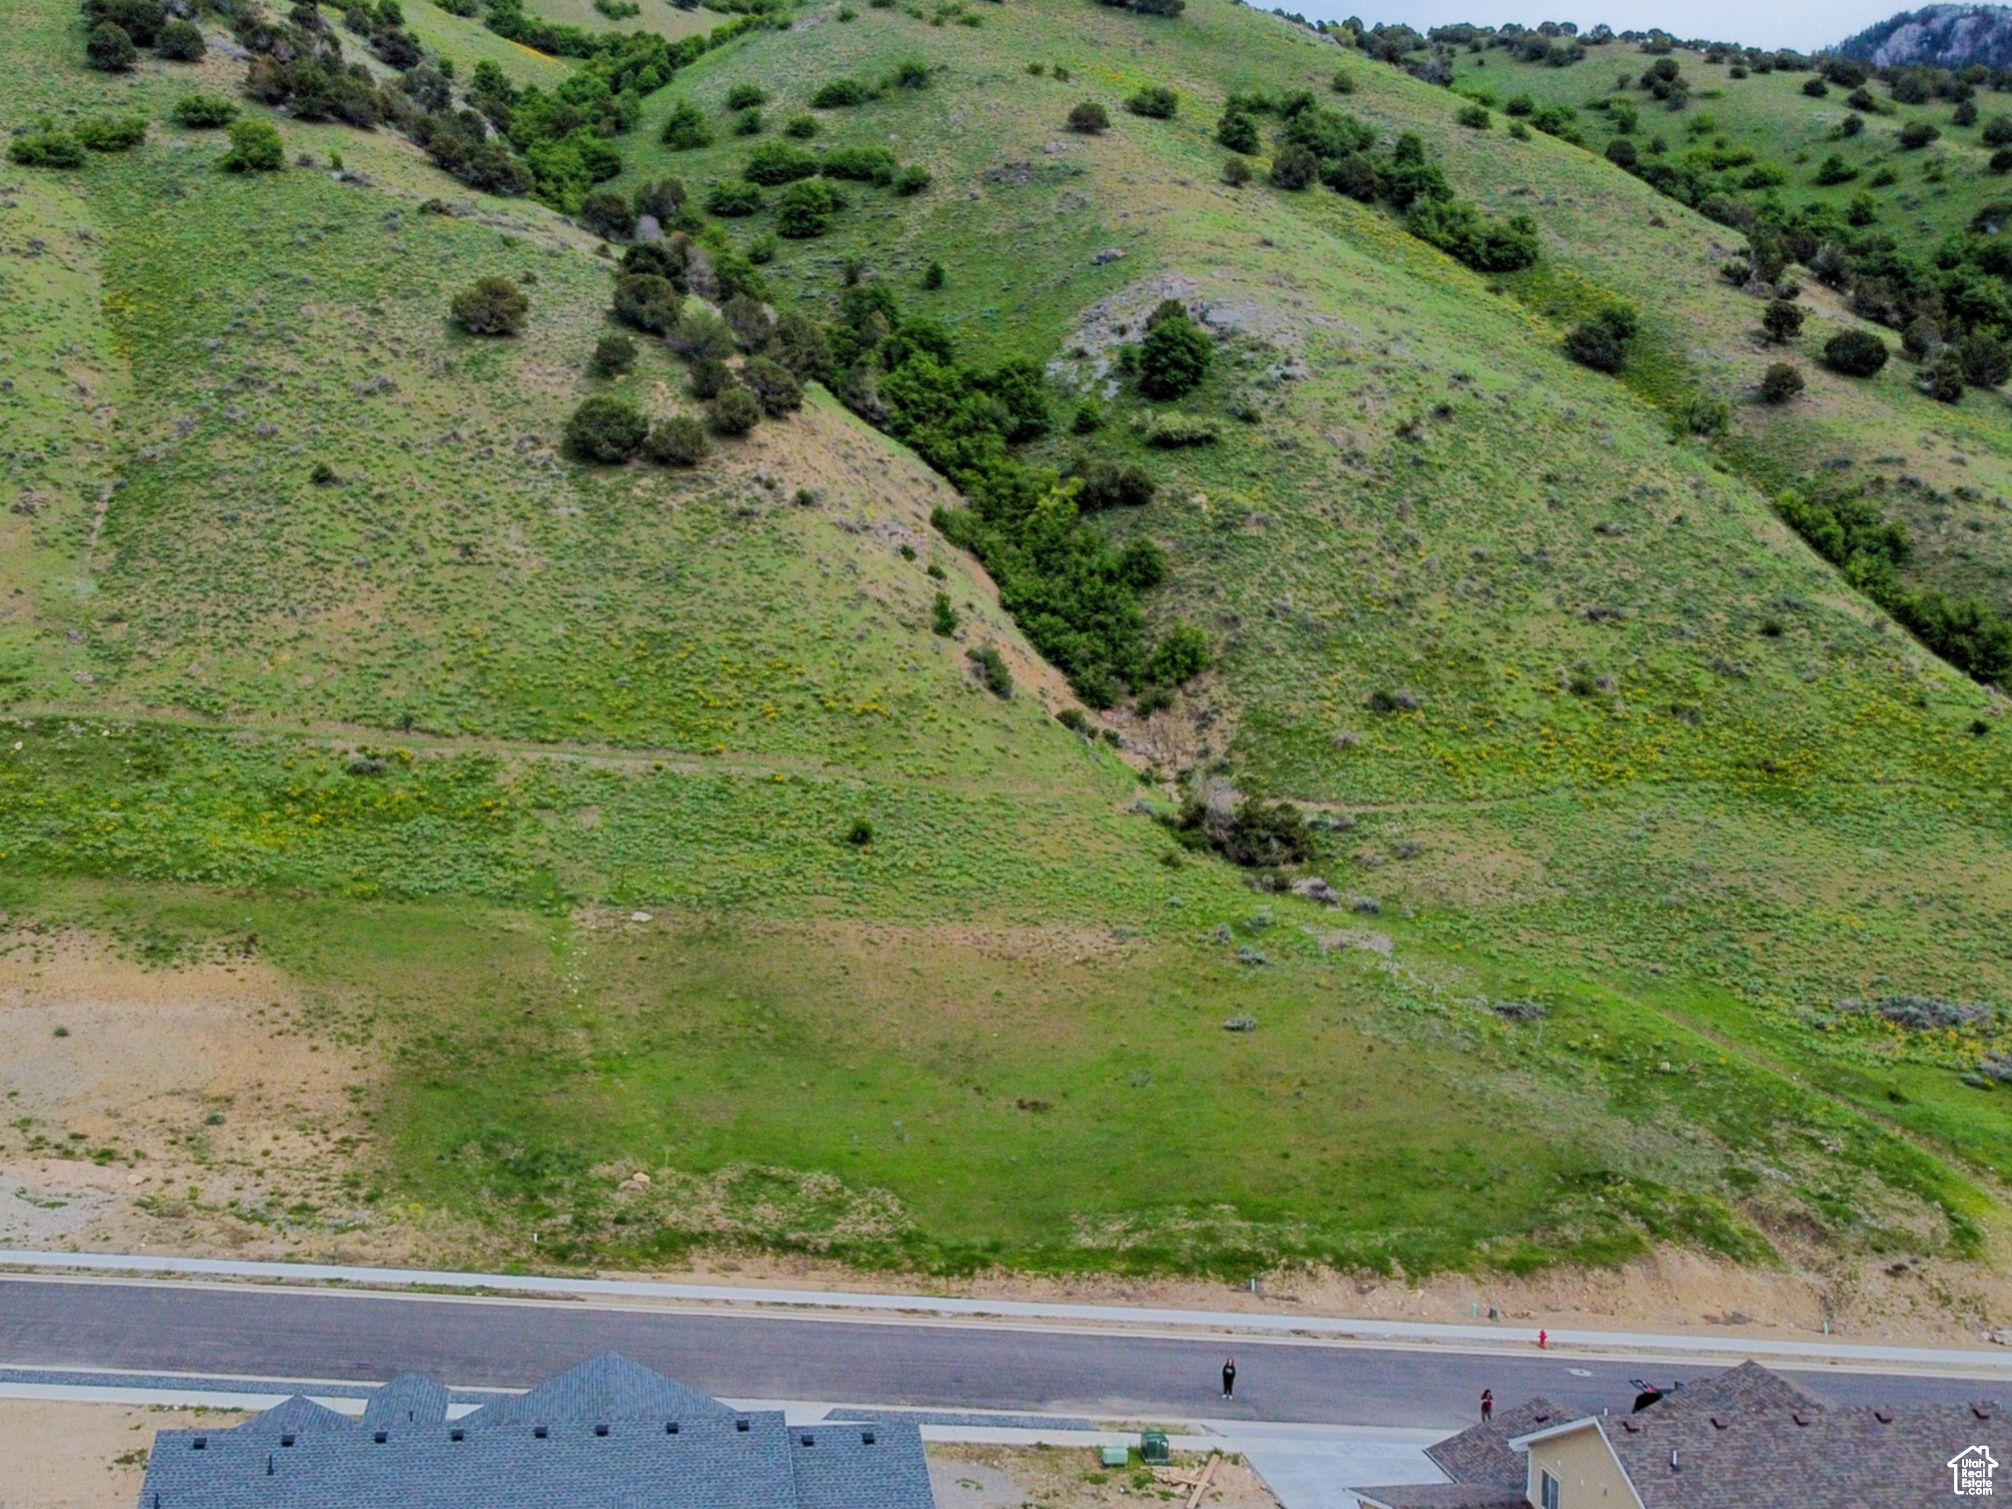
<point x="1586" y="1469"/>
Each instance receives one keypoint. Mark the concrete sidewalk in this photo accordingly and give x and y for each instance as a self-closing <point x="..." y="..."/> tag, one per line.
<point x="909" y="1306"/>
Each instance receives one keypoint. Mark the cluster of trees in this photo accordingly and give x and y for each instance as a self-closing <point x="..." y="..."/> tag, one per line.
<point x="1318" y="145"/>
<point x="118" y="29"/>
<point x="1849" y="530"/>
<point x="51" y="146"/>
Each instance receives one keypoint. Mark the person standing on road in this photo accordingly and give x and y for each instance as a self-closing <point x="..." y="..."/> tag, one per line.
<point x="1229" y="1378"/>
<point x="1487" y="1405"/>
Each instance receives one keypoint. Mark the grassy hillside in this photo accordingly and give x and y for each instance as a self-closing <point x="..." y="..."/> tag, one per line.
<point x="314" y="630"/>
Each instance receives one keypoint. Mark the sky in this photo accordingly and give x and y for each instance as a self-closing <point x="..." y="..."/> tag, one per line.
<point x="1805" y="25"/>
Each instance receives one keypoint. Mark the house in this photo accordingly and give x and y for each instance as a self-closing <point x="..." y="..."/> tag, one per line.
<point x="1743" y="1439"/>
<point x="608" y="1432"/>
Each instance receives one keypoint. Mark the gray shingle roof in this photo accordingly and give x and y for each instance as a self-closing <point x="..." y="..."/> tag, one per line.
<point x="1481" y="1454"/>
<point x="601" y="1434"/>
<point x="1444" y="1496"/>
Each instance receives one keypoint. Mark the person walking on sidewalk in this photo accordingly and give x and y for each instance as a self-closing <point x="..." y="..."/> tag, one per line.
<point x="1487" y="1405"/>
<point x="1229" y="1378"/>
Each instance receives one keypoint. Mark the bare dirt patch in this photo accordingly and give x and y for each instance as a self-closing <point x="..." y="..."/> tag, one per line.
<point x="1011" y="1477"/>
<point x="83" y="1456"/>
<point x="185" y="1106"/>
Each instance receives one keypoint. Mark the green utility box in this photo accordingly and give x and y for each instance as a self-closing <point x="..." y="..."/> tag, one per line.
<point x="1116" y="1456"/>
<point x="1153" y="1447"/>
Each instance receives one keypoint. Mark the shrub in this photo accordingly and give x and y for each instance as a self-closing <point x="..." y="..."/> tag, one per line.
<point x="709" y="376"/>
<point x="1488" y="245"/>
<point x="1834" y="170"/>
<point x="1602" y="341"/>
<point x="911" y="73"/>
<point x="992" y="669"/>
<point x="1780" y="383"/>
<point x="1782" y="321"/>
<point x="933" y="276"/>
<point x="662" y="201"/>
<point x="746" y="96"/>
<point x="700" y="333"/>
<point x="733" y="411"/>
<point x="911" y="180"/>
<point x="182" y="42"/>
<point x="647" y="302"/>
<point x="800" y="346"/>
<point x="775" y="163"/>
<point x="859" y="164"/>
<point x="140" y="20"/>
<point x="613" y="356"/>
<point x="805" y="209"/>
<point x="2001" y="161"/>
<point x="685" y="128"/>
<point x="942" y="617"/>
<point x="1855" y="353"/>
<point x="1239" y="132"/>
<point x="1942" y="379"/>
<point x="1997" y="131"/>
<point x="774" y="386"/>
<point x="255" y="148"/>
<point x="1917" y="134"/>
<point x="801" y="127"/>
<point x="107" y="133"/>
<point x="1343" y="82"/>
<point x="1174" y="355"/>
<point x="1816" y="89"/>
<point x="201" y="112"/>
<point x="607" y="215"/>
<point x="680" y="441"/>
<point x="750" y="321"/>
<point x="491" y="306"/>
<point x="1986" y="359"/>
<point x="1236" y="172"/>
<point x="1181" y="656"/>
<point x="607" y="430"/>
<point x="1088" y="418"/>
<point x="46" y="149"/>
<point x="733" y="198"/>
<point x="839" y="94"/>
<point x="1256" y="835"/>
<point x="109" y="49"/>
<point x="1862" y="210"/>
<point x="1155" y="101"/>
<point x="1089" y="117"/>
<point x="1294" y="167"/>
<point x="1474" y="117"/>
<point x="1708" y="416"/>
<point x="1622" y="154"/>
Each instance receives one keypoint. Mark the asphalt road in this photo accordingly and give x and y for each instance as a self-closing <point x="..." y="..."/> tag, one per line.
<point x="327" y="1334"/>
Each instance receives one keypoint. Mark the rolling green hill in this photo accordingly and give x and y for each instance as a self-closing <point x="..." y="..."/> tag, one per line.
<point x="1672" y="870"/>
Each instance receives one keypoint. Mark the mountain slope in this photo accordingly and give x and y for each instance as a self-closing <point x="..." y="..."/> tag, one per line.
<point x="1938" y="36"/>
<point x="1651" y="788"/>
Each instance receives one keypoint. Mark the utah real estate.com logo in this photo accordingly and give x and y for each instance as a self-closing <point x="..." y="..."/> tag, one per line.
<point x="1970" y="1472"/>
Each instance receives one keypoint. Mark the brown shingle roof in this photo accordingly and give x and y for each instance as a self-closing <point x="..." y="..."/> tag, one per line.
<point x="1748" y="1386"/>
<point x="1444" y="1496"/>
<point x="1481" y="1453"/>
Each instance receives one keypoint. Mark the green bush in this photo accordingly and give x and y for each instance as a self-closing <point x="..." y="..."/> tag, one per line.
<point x="1917" y="134"/>
<point x="1294" y="167"/>
<point x="109" y="49"/>
<point x="685" y="128"/>
<point x="1622" y="154"/>
<point x="911" y="73"/>
<point x="746" y="96"/>
<point x="1236" y="172"/>
<point x="1780" y="383"/>
<point x="839" y="94"/>
<point x="46" y="149"/>
<point x="680" y="441"/>
<point x="733" y="198"/>
<point x="1174" y="355"/>
<point x="1782" y="321"/>
<point x="774" y="386"/>
<point x="201" y="112"/>
<point x="775" y="163"/>
<point x="1477" y="118"/>
<point x="1834" y="170"/>
<point x="607" y="430"/>
<point x="662" y="200"/>
<point x="911" y="180"/>
<point x="802" y="127"/>
<point x="1089" y="118"/>
<point x="1155" y="101"/>
<point x="1182" y="655"/>
<point x="1257" y="835"/>
<point x="491" y="306"/>
<point x="1602" y="341"/>
<point x="992" y="669"/>
<point x="733" y="411"/>
<point x="613" y="356"/>
<point x="1343" y="82"/>
<point x="942" y="617"/>
<point x="708" y="377"/>
<point x="1855" y="353"/>
<point x="647" y="302"/>
<point x="805" y="210"/>
<point x="2001" y="161"/>
<point x="858" y="164"/>
<point x="1239" y="132"/>
<point x="1987" y="362"/>
<point x="1816" y="88"/>
<point x="182" y="42"/>
<point x="1106" y="484"/>
<point x="106" y="133"/>
<point x="1460" y="229"/>
<point x="607" y="215"/>
<point x="255" y="148"/>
